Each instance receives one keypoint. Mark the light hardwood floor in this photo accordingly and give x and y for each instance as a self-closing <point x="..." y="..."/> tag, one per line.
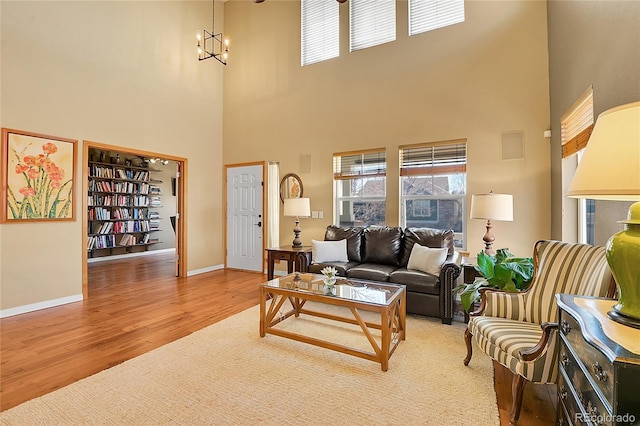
<point x="136" y="305"/>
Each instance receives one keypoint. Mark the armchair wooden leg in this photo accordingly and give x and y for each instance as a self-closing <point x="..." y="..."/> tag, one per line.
<point x="517" y="390"/>
<point x="467" y="341"/>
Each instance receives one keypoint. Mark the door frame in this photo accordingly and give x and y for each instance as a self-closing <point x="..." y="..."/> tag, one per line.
<point x="181" y="222"/>
<point x="226" y="207"/>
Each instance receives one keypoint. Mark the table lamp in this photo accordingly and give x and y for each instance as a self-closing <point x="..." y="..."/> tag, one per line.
<point x="298" y="207"/>
<point x="610" y="170"/>
<point x="491" y="207"/>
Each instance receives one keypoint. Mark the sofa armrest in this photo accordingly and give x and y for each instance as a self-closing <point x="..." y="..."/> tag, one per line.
<point x="449" y="272"/>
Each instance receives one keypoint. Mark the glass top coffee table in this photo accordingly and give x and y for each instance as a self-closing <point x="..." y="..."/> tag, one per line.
<point x="387" y="300"/>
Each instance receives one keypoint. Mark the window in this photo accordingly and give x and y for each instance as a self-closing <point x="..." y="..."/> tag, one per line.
<point x="427" y="15"/>
<point x="320" y="31"/>
<point x="360" y="187"/>
<point x="433" y="186"/>
<point x="371" y="22"/>
<point x="575" y="129"/>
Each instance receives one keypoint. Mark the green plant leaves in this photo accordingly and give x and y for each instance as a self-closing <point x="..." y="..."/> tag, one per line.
<point x="504" y="271"/>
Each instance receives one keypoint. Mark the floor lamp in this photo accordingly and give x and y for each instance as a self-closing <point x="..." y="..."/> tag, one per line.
<point x="297" y="207"/>
<point x="491" y="207"/>
<point x="610" y="170"/>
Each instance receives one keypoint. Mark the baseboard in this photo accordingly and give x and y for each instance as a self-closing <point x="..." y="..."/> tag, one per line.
<point x="203" y="270"/>
<point x="39" y="305"/>
<point x="122" y="256"/>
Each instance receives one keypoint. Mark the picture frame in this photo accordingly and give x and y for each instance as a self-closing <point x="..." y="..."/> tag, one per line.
<point x="290" y="186"/>
<point x="38" y="177"/>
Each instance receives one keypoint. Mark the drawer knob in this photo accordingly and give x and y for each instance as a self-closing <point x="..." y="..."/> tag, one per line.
<point x="599" y="373"/>
<point x="566" y="328"/>
<point x="594" y="415"/>
<point x="564" y="359"/>
<point x="563" y="393"/>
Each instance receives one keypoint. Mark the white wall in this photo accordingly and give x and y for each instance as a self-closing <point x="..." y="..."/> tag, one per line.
<point x="123" y="73"/>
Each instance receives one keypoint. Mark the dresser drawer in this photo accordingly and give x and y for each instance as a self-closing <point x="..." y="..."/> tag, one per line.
<point x="592" y="410"/>
<point x="567" y="404"/>
<point x="596" y="365"/>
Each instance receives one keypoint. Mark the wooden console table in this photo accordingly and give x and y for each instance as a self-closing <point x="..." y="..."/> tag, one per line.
<point x="300" y="257"/>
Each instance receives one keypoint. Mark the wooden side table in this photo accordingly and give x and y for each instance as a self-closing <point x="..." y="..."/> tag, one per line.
<point x="300" y="257"/>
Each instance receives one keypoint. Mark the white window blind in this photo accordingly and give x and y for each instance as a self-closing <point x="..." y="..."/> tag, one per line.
<point x="371" y="22"/>
<point x="320" y="31"/>
<point x="359" y="164"/>
<point x="427" y="15"/>
<point x="423" y="160"/>
<point x="577" y="124"/>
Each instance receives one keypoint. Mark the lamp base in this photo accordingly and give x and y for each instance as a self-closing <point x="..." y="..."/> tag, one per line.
<point x="623" y="319"/>
<point x="297" y="242"/>
<point x="623" y="256"/>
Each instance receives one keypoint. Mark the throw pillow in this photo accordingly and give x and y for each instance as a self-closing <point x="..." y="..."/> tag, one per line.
<point x="427" y="259"/>
<point x="329" y="251"/>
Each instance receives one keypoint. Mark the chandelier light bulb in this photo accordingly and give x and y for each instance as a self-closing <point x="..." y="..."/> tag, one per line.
<point x="199" y="37"/>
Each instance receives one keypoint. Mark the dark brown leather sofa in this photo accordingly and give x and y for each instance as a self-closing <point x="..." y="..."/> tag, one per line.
<point x="381" y="253"/>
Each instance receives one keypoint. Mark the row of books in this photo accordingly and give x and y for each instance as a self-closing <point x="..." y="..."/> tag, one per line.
<point x="120" y="227"/>
<point x="118" y="200"/>
<point x="115" y="186"/>
<point x="109" y="241"/>
<point x="102" y="213"/>
<point x="118" y="173"/>
<point x="101" y="241"/>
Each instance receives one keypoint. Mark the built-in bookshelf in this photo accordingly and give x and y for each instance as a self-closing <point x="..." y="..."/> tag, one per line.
<point x="120" y="200"/>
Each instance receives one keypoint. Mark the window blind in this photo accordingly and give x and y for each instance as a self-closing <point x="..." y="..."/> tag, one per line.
<point x="577" y="124"/>
<point x="427" y="15"/>
<point x="433" y="159"/>
<point x="320" y="31"/>
<point x="371" y="22"/>
<point x="351" y="165"/>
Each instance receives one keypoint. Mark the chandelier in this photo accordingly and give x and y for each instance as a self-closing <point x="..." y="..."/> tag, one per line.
<point x="212" y="45"/>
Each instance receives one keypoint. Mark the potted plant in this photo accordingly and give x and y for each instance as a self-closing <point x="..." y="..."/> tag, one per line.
<point x="503" y="271"/>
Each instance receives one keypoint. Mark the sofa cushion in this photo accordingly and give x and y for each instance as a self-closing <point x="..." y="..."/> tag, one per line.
<point x="416" y="281"/>
<point x="435" y="238"/>
<point x="427" y="259"/>
<point x="341" y="267"/>
<point x="371" y="272"/>
<point x="353" y="237"/>
<point x="382" y="245"/>
<point x="329" y="251"/>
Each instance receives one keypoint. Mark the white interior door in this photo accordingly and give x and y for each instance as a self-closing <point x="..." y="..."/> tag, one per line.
<point x="245" y="219"/>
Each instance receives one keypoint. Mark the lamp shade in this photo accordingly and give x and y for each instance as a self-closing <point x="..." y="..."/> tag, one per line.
<point x="610" y="166"/>
<point x="492" y="206"/>
<point x="610" y="170"/>
<point x="299" y="207"/>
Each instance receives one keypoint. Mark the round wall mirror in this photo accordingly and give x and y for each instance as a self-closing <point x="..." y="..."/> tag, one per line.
<point x="290" y="187"/>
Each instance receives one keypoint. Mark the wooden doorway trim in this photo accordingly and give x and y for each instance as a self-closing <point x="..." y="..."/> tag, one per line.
<point x="181" y="222"/>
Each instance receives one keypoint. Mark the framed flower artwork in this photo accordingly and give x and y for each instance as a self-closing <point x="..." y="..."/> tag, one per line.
<point x="38" y="177"/>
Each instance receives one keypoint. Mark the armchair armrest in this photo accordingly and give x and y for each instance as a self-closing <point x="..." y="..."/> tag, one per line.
<point x="449" y="272"/>
<point x="534" y="352"/>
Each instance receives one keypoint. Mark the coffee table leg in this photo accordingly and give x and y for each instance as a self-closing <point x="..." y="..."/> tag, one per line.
<point x="385" y="339"/>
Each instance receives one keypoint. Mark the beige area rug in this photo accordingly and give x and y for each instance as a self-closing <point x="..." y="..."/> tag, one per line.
<point x="226" y="374"/>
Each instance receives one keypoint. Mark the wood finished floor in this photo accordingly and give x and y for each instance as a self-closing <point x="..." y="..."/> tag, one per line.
<point x="136" y="305"/>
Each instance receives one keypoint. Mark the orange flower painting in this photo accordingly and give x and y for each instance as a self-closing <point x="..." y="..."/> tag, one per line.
<point x="38" y="180"/>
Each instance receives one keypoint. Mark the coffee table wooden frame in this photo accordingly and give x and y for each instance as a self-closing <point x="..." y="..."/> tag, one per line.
<point x="392" y="319"/>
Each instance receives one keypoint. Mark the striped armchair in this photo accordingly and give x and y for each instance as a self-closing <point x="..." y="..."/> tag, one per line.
<point x="520" y="330"/>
